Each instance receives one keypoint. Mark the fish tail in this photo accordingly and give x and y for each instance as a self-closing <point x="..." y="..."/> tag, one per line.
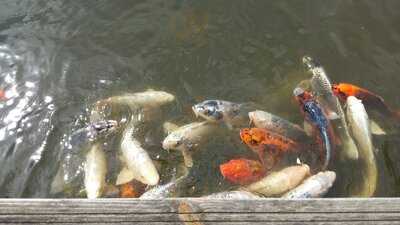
<point x="328" y="148"/>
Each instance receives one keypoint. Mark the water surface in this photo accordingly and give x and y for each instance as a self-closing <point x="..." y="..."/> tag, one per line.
<point x="58" y="57"/>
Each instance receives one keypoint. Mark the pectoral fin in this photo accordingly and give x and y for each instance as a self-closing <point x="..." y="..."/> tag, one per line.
<point x="187" y="158"/>
<point x="125" y="175"/>
<point x="375" y="128"/>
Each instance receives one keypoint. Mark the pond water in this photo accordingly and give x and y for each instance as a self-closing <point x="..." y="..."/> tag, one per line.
<point x="59" y="57"/>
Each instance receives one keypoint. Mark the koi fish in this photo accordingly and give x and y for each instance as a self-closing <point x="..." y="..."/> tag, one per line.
<point x="148" y="102"/>
<point x="269" y="121"/>
<point x="147" y="99"/>
<point x="359" y="124"/>
<point x="187" y="138"/>
<point x="2" y="95"/>
<point x="171" y="189"/>
<point x="314" y="186"/>
<point x="95" y="172"/>
<point x="242" y="171"/>
<point x="136" y="158"/>
<point x="368" y="98"/>
<point x="280" y="182"/>
<point x="131" y="190"/>
<point x="233" y="114"/>
<point x="317" y="118"/>
<point x="238" y="195"/>
<point x="322" y="90"/>
<point x="259" y="139"/>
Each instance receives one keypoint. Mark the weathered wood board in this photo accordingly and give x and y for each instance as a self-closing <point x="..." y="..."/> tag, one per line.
<point x="200" y="211"/>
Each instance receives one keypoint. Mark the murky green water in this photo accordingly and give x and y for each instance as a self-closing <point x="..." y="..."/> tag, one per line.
<point x="59" y="57"/>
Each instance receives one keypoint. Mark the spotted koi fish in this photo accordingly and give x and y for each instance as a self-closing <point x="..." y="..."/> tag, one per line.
<point x="316" y="117"/>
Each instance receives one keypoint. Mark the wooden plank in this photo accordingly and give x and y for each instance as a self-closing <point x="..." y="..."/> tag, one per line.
<point x="200" y="211"/>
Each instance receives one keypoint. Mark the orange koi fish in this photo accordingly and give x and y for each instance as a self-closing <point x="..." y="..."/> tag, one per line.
<point x="368" y="98"/>
<point x="131" y="190"/>
<point x="242" y="171"/>
<point x="2" y="95"/>
<point x="258" y="139"/>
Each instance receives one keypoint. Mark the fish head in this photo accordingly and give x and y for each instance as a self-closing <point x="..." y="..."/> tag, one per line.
<point x="102" y="128"/>
<point x="173" y="141"/>
<point x="302" y="95"/>
<point x="242" y="171"/>
<point x="342" y="91"/>
<point x="252" y="137"/>
<point x="309" y="62"/>
<point x="209" y="110"/>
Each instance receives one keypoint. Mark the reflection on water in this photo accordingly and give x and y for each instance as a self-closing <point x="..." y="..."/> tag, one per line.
<point x="58" y="57"/>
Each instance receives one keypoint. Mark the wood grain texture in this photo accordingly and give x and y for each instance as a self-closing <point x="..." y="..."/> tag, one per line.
<point x="200" y="211"/>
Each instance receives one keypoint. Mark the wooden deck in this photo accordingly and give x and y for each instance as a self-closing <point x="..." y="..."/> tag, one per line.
<point x="200" y="211"/>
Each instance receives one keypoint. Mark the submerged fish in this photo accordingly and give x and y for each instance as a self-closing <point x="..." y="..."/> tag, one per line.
<point x="259" y="140"/>
<point x="262" y="119"/>
<point x="237" y="195"/>
<point x="314" y="186"/>
<point x="169" y="127"/>
<point x="317" y="118"/>
<point x="370" y="100"/>
<point x="359" y="124"/>
<point x="189" y="137"/>
<point x="322" y="89"/>
<point x="95" y="172"/>
<point x="168" y="190"/>
<point x="242" y="171"/>
<point x="131" y="190"/>
<point x="82" y="138"/>
<point x="280" y="182"/>
<point x="70" y="174"/>
<point x="137" y="159"/>
<point x="146" y="99"/>
<point x="233" y="114"/>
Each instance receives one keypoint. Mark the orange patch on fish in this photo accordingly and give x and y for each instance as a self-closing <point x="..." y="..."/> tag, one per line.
<point x="368" y="98"/>
<point x="242" y="171"/>
<point x="131" y="190"/>
<point x="255" y="137"/>
<point x="2" y="95"/>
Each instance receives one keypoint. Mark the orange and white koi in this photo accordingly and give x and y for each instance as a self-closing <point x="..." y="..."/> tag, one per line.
<point x="369" y="99"/>
<point x="259" y="140"/>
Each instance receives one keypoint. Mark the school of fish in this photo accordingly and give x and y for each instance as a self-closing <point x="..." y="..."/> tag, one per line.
<point x="336" y="127"/>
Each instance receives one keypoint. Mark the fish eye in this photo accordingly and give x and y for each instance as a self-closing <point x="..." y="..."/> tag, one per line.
<point x="178" y="143"/>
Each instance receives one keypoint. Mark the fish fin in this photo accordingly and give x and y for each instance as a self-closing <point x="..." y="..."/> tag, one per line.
<point x="125" y="175"/>
<point x="169" y="127"/>
<point x="375" y="128"/>
<point x="187" y="158"/>
<point x="332" y="115"/>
